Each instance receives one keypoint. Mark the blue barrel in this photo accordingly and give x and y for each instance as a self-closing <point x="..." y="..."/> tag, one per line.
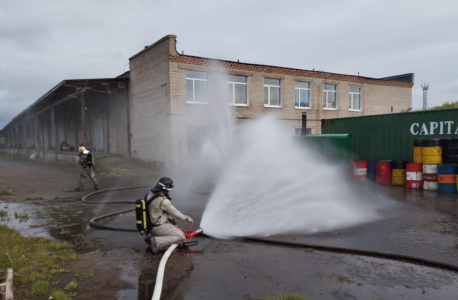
<point x="371" y="170"/>
<point x="446" y="177"/>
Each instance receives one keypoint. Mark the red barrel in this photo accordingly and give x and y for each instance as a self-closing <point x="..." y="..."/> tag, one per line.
<point x="414" y="176"/>
<point x="359" y="170"/>
<point x="383" y="174"/>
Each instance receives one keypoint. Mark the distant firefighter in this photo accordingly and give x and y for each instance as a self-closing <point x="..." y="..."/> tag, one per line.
<point x="88" y="168"/>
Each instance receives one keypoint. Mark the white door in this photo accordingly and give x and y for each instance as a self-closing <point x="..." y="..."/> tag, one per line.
<point x="97" y="134"/>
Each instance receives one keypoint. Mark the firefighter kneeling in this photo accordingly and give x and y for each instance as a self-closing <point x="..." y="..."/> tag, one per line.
<point x="87" y="163"/>
<point x="161" y="213"/>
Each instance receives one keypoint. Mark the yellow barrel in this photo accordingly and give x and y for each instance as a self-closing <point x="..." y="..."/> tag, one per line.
<point x="398" y="176"/>
<point x="431" y="151"/>
<point x="432" y="160"/>
<point x="418" y="155"/>
<point x="432" y="155"/>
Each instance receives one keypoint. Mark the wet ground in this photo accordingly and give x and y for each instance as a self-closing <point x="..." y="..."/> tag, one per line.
<point x="422" y="224"/>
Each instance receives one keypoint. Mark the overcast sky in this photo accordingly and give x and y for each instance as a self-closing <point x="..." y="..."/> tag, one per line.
<point x="44" y="42"/>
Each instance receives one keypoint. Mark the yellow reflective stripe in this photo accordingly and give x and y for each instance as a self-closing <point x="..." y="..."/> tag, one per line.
<point x="144" y="219"/>
<point x="138" y="205"/>
<point x="139" y="222"/>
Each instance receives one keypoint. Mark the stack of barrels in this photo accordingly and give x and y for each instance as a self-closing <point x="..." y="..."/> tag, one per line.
<point x="435" y="167"/>
<point x="431" y="157"/>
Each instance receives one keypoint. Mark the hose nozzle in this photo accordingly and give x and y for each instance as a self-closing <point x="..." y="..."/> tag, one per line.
<point x="194" y="233"/>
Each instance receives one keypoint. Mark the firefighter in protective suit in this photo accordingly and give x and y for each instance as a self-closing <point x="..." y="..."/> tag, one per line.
<point x="87" y="164"/>
<point x="161" y="211"/>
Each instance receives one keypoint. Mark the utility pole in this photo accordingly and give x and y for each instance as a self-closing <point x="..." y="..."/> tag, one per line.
<point x="425" y="88"/>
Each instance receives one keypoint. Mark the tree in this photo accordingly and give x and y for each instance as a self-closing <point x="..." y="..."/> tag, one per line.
<point x="445" y="105"/>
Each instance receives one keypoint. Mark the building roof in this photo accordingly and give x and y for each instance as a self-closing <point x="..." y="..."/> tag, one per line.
<point x="67" y="89"/>
<point x="405" y="80"/>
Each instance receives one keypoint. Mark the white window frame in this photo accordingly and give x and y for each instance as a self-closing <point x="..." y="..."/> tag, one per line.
<point x="233" y="83"/>
<point x="360" y="98"/>
<point x="298" y="89"/>
<point x="268" y="92"/>
<point x="194" y="89"/>
<point x="326" y="101"/>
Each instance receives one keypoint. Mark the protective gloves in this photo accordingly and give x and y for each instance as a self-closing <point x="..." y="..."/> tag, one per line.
<point x="188" y="219"/>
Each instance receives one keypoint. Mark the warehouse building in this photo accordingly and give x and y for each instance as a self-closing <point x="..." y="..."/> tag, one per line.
<point x="166" y="104"/>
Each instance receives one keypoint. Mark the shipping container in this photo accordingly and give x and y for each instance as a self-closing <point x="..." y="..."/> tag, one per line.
<point x="334" y="147"/>
<point x="391" y="136"/>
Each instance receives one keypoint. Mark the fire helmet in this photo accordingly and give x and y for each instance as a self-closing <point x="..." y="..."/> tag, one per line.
<point x="166" y="183"/>
<point x="81" y="149"/>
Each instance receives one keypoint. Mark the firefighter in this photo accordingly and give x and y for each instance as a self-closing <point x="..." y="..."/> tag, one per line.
<point x="161" y="211"/>
<point x="87" y="164"/>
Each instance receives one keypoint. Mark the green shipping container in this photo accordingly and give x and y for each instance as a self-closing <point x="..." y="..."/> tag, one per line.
<point x="391" y="136"/>
<point x="334" y="147"/>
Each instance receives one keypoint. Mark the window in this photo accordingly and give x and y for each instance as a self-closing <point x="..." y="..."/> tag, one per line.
<point x="302" y="94"/>
<point x="238" y="90"/>
<point x="330" y="96"/>
<point x="355" y="98"/>
<point x="272" y="92"/>
<point x="196" y="87"/>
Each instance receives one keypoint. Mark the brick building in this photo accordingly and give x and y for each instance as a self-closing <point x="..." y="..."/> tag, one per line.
<point x="172" y="94"/>
<point x="161" y="108"/>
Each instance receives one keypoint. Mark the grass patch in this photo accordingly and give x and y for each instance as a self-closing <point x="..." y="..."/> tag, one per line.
<point x="33" y="259"/>
<point x="71" y="286"/>
<point x="61" y="295"/>
<point x="5" y="193"/>
<point x="39" y="288"/>
<point x="83" y="274"/>
<point x="287" y="297"/>
<point x="3" y="215"/>
<point x="23" y="217"/>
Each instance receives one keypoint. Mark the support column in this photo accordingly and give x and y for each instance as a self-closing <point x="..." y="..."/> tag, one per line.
<point x="76" y="129"/>
<point x="107" y="118"/>
<point x="83" y="118"/>
<point x="129" y="135"/>
<point x="24" y="133"/>
<point x="53" y="131"/>
<point x="37" y="138"/>
<point x="17" y="137"/>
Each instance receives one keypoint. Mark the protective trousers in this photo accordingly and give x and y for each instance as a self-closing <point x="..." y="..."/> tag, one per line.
<point x="89" y="172"/>
<point x="167" y="234"/>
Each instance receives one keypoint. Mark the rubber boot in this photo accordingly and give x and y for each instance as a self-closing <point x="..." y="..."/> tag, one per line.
<point x="152" y="246"/>
<point x="96" y="187"/>
<point x="79" y="189"/>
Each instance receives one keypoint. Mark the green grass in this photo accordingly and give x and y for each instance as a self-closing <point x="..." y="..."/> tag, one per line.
<point x="82" y="273"/>
<point x="33" y="259"/>
<point x="23" y="217"/>
<point x="287" y="297"/>
<point x="5" y="193"/>
<point x="4" y="216"/>
<point x="39" y="288"/>
<point x="61" y="295"/>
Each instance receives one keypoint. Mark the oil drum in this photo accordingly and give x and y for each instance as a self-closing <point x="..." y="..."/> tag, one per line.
<point x="432" y="155"/>
<point x="359" y="170"/>
<point x="371" y="170"/>
<point x="414" y="176"/>
<point x="449" y="150"/>
<point x="446" y="177"/>
<point x="418" y="150"/>
<point x="430" y="177"/>
<point x="383" y="172"/>
<point x="398" y="172"/>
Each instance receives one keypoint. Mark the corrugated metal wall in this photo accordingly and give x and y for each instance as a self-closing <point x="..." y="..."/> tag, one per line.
<point x="391" y="136"/>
